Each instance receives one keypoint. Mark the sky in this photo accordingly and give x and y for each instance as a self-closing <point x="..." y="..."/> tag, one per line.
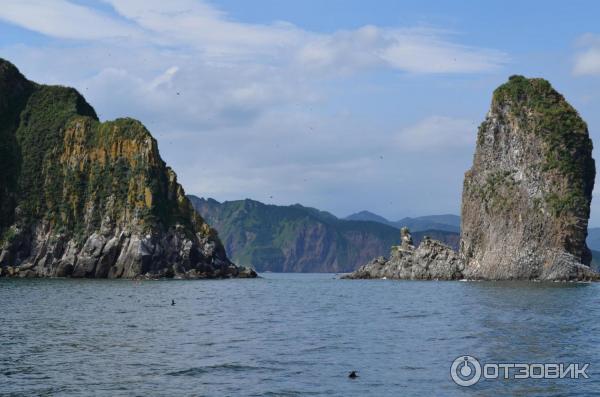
<point x="342" y="105"/>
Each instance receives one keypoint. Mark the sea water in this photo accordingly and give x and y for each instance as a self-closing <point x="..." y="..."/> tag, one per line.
<point x="290" y="335"/>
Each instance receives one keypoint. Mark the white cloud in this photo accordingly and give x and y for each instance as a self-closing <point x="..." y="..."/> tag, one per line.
<point x="587" y="61"/>
<point x="345" y="49"/>
<point x="165" y="79"/>
<point x="410" y="50"/>
<point x="437" y="133"/>
<point x="208" y="31"/>
<point x="246" y="110"/>
<point x="61" y="18"/>
<point x="428" y="53"/>
<point x="202" y="26"/>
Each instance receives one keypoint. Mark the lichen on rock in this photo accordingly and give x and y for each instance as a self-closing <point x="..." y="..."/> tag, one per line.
<point x="92" y="199"/>
<point x="526" y="199"/>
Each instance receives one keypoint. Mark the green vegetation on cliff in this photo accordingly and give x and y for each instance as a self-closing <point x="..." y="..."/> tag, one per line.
<point x="526" y="199"/>
<point x="14" y="93"/>
<point x="66" y="170"/>
<point x="567" y="146"/>
<point x="300" y="239"/>
<point x="39" y="137"/>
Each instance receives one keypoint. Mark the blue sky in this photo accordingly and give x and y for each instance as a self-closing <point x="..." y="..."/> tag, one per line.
<point x="341" y="105"/>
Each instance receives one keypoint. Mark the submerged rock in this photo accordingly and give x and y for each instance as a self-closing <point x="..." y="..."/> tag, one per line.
<point x="526" y="199"/>
<point x="83" y="198"/>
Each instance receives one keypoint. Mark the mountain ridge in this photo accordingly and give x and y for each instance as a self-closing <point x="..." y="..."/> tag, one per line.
<point x="298" y="238"/>
<point x="447" y="222"/>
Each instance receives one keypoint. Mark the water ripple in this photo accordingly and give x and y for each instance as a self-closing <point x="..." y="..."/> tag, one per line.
<point x="287" y="335"/>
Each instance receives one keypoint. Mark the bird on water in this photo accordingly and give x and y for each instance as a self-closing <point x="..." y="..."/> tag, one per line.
<point x="353" y="375"/>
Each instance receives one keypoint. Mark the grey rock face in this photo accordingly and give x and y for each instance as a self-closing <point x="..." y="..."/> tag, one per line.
<point x="526" y="199"/>
<point x="82" y="198"/>
<point x="432" y="260"/>
<point x="406" y="241"/>
<point x="121" y="254"/>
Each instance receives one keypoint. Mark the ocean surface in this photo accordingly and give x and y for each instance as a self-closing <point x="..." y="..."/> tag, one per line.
<point x="289" y="335"/>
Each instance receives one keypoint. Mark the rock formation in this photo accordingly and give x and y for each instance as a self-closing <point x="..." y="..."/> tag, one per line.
<point x="432" y="260"/>
<point x="406" y="241"/>
<point x="83" y="198"/>
<point x="526" y="199"/>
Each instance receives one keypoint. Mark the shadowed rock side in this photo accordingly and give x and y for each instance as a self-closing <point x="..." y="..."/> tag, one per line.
<point x="526" y="199"/>
<point x="83" y="198"/>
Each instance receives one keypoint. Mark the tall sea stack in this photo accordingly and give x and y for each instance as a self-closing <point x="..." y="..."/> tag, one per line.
<point x="83" y="198"/>
<point x="526" y="199"/>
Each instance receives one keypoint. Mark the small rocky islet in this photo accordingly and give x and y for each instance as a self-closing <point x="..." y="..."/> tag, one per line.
<point x="84" y="198"/>
<point x="526" y="199"/>
<point x="431" y="260"/>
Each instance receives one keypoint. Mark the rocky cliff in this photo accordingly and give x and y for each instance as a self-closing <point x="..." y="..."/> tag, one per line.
<point x="83" y="198"/>
<point x="299" y="239"/>
<point x="526" y="199"/>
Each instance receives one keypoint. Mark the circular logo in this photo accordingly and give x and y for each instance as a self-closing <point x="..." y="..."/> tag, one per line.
<point x="465" y="371"/>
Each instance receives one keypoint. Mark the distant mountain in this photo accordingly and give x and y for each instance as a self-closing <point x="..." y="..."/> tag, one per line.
<point x="593" y="238"/>
<point x="595" y="264"/>
<point x="300" y="239"/>
<point x="593" y="242"/>
<point x="446" y="222"/>
<point x="367" y="216"/>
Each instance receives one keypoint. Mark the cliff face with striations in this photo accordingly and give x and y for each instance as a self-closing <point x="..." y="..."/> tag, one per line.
<point x="526" y="199"/>
<point x="293" y="238"/>
<point x="83" y="198"/>
<point x="299" y="239"/>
